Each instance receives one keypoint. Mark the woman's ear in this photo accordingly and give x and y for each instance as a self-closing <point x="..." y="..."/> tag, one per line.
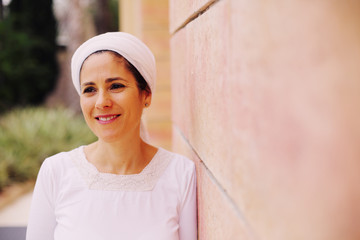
<point x="147" y="98"/>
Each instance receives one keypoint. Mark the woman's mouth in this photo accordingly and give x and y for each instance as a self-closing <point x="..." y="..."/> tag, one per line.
<point x="107" y="118"/>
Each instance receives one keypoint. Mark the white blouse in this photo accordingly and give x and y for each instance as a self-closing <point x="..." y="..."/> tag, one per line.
<point x="72" y="200"/>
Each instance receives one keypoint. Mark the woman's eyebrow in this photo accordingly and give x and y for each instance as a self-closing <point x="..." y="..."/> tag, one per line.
<point x="87" y="84"/>
<point x="108" y="80"/>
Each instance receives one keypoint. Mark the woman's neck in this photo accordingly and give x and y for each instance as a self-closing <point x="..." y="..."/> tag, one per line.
<point x="121" y="157"/>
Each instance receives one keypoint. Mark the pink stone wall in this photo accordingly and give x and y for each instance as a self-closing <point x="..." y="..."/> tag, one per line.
<point x="266" y="101"/>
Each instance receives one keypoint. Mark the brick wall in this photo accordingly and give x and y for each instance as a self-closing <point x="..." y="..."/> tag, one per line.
<point x="266" y="101"/>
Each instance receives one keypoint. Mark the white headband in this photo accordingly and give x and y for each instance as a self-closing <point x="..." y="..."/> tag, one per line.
<point x="125" y="44"/>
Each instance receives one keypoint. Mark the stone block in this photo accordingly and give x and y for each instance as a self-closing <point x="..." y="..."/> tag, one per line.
<point x="163" y="81"/>
<point x="160" y="106"/>
<point x="218" y="218"/>
<point x="158" y="42"/>
<point x="156" y="13"/>
<point x="180" y="12"/>
<point x="160" y="133"/>
<point x="206" y="105"/>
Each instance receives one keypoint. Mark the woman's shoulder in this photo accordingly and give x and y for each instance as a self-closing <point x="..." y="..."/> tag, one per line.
<point x="180" y="173"/>
<point x="177" y="161"/>
<point x="54" y="168"/>
<point x="61" y="159"/>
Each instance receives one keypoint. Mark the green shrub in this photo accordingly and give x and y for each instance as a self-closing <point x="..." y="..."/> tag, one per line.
<point x="29" y="135"/>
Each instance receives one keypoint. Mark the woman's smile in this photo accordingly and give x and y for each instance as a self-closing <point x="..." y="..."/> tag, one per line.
<point x="106" y="119"/>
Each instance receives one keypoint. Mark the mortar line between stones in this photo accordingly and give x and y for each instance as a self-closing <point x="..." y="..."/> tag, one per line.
<point x="238" y="211"/>
<point x="195" y="15"/>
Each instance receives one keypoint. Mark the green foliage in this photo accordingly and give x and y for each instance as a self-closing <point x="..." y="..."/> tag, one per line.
<point x="29" y="135"/>
<point x="28" y="67"/>
<point x="114" y="10"/>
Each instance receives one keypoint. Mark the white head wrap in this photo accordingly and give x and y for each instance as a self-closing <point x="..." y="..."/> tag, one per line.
<point x="128" y="46"/>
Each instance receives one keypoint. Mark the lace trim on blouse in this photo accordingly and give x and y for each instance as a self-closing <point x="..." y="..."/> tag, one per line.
<point x="144" y="181"/>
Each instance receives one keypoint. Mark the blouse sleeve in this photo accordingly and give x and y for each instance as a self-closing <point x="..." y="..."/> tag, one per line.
<point x="42" y="221"/>
<point x="188" y="213"/>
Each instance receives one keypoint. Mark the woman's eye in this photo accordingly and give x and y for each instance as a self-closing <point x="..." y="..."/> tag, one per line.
<point x="117" y="86"/>
<point x="89" y="90"/>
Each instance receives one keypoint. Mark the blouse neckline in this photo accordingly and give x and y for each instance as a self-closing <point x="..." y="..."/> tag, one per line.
<point x="143" y="181"/>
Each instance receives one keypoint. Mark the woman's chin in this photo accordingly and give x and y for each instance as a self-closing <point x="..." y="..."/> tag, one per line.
<point x="109" y="138"/>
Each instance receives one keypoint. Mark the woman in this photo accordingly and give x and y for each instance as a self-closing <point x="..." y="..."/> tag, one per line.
<point x="119" y="187"/>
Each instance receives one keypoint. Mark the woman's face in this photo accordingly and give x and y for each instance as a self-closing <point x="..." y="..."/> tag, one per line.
<point x="110" y="99"/>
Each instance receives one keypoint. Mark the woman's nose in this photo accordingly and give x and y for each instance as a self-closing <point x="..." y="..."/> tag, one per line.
<point x="103" y="100"/>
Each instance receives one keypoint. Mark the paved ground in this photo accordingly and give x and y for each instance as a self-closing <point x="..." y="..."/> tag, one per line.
<point x="12" y="233"/>
<point x="16" y="214"/>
